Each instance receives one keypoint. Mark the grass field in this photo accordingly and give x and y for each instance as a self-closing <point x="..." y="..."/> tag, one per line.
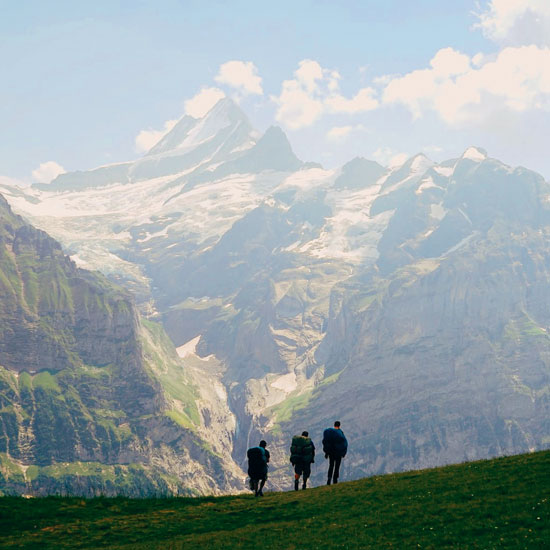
<point x="502" y="503"/>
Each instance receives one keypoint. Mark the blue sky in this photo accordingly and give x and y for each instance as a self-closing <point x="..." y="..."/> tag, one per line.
<point x="381" y="79"/>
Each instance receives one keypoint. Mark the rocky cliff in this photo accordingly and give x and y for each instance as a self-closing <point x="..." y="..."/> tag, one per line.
<point x="92" y="401"/>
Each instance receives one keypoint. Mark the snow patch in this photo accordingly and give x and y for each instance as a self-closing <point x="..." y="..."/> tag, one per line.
<point x="462" y="243"/>
<point x="437" y="211"/>
<point x="286" y="382"/>
<point x="307" y="179"/>
<point x="189" y="348"/>
<point x="475" y="154"/>
<point x="420" y="164"/>
<point x="80" y="262"/>
<point x="428" y="183"/>
<point x="244" y="147"/>
<point x="466" y="217"/>
<point x="444" y="170"/>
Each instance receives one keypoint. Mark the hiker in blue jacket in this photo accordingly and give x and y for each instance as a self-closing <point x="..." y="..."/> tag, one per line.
<point x="335" y="447"/>
<point x="258" y="458"/>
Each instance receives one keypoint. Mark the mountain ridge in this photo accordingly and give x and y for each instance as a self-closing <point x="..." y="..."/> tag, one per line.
<point x="297" y="291"/>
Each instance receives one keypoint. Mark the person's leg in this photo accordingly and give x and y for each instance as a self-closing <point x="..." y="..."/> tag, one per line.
<point x="255" y="487"/>
<point x="337" y="461"/>
<point x="297" y="473"/>
<point x="330" y="468"/>
<point x="307" y="473"/>
<point x="262" y="483"/>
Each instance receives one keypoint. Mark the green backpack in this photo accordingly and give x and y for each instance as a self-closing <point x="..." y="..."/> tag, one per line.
<point x="301" y="450"/>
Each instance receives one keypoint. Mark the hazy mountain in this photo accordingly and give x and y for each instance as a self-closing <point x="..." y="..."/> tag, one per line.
<point x="411" y="303"/>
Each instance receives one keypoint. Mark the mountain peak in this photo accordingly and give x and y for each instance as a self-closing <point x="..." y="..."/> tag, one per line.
<point x="418" y="163"/>
<point x="225" y="107"/>
<point x="191" y="132"/>
<point x="476" y="154"/>
<point x="273" y="151"/>
<point x="359" y="173"/>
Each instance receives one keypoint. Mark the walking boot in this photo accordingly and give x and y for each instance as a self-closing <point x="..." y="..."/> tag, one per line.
<point x="296" y="481"/>
<point x="328" y="481"/>
<point x="304" y="485"/>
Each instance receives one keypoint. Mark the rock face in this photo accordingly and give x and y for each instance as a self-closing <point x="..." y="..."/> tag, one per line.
<point x="410" y="303"/>
<point x="442" y="354"/>
<point x="84" y="406"/>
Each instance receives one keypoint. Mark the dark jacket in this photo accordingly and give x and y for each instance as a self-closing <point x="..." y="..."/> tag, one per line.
<point x="335" y="442"/>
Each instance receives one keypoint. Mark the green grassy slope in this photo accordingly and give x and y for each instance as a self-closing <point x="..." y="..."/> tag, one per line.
<point x="502" y="503"/>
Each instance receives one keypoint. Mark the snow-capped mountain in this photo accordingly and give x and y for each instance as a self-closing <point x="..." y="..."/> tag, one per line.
<point x="381" y="296"/>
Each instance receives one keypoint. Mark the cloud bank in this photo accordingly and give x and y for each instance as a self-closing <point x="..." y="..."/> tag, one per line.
<point x="516" y="22"/>
<point x="315" y="91"/>
<point x="47" y="171"/>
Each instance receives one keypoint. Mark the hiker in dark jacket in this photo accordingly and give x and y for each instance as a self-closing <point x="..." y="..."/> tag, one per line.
<point x="302" y="455"/>
<point x="258" y="458"/>
<point x="335" y="447"/>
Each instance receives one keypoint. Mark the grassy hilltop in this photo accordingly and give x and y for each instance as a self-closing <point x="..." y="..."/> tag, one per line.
<point x="502" y="503"/>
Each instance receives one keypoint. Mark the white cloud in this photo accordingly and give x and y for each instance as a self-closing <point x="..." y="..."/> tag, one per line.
<point x="388" y="157"/>
<point x="315" y="91"/>
<point x="362" y="101"/>
<point x="516" y="22"/>
<point x="478" y="59"/>
<point x="202" y="102"/>
<point x="308" y="73"/>
<point x="149" y="138"/>
<point x="448" y="62"/>
<point x="47" y="171"/>
<point x="242" y="75"/>
<point x="339" y="132"/>
<point x="432" y="149"/>
<point x="297" y="108"/>
<point x="517" y="79"/>
<point x="334" y="81"/>
<point x="384" y="79"/>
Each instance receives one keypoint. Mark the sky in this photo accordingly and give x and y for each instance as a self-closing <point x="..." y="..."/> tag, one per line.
<point x="85" y="84"/>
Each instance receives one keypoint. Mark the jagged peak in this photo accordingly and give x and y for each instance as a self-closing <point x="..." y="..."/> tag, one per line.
<point x="358" y="173"/>
<point x="360" y="162"/>
<point x="274" y="134"/>
<point x="226" y="107"/>
<point x="419" y="163"/>
<point x="275" y="151"/>
<point x="190" y="132"/>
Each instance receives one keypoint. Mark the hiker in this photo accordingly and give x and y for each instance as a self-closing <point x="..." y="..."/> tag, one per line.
<point x="302" y="454"/>
<point x="258" y="458"/>
<point x="335" y="447"/>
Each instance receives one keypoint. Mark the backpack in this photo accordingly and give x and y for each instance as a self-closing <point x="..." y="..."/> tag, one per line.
<point x="257" y="462"/>
<point x="334" y="442"/>
<point x="301" y="450"/>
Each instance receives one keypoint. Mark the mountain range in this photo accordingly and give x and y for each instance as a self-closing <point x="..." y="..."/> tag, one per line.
<point x="411" y="303"/>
